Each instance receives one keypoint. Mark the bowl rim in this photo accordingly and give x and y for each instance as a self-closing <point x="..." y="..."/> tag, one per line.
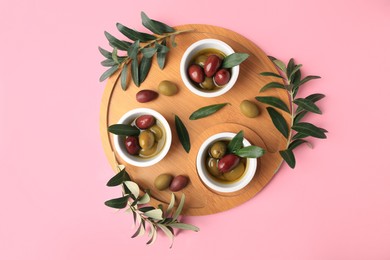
<point x="133" y="160"/>
<point x="227" y="49"/>
<point x="221" y="187"/>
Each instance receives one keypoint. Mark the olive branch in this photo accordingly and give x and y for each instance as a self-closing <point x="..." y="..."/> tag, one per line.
<point x="297" y="109"/>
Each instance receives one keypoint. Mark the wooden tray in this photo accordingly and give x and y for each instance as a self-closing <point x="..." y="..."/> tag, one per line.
<point x="259" y="131"/>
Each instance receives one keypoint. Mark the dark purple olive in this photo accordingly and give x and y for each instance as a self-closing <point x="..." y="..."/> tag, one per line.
<point x="178" y="183"/>
<point x="211" y="65"/>
<point x="132" y="145"/>
<point x="145" y="121"/>
<point x="228" y="163"/>
<point x="146" y="95"/>
<point x="196" y="73"/>
<point x="222" y="77"/>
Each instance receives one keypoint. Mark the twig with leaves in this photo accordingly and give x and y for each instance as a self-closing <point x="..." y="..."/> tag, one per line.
<point x="145" y="215"/>
<point x="139" y="50"/>
<point x="297" y="109"/>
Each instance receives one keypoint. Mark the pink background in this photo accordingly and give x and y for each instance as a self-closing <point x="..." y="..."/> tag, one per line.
<point x="334" y="205"/>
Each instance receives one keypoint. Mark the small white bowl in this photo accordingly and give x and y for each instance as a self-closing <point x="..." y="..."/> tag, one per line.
<point x="119" y="141"/>
<point x="248" y="175"/>
<point x="193" y="50"/>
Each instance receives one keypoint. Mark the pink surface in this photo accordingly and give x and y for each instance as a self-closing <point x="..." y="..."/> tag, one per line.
<point x="334" y="205"/>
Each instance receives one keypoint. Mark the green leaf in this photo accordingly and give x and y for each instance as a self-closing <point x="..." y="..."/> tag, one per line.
<point x="272" y="85"/>
<point x="309" y="129"/>
<point x="162" y="47"/>
<point x="161" y="54"/>
<point x="206" y="111"/>
<point x="124" y="130"/>
<point x="133" y="188"/>
<point x="140" y="231"/>
<point x="289" y="157"/>
<point x="299" y="116"/>
<point x="135" y="35"/>
<point x="182" y="134"/>
<point x="144" y="68"/>
<point x="290" y="67"/>
<point x="179" y="208"/>
<point x="172" y="40"/>
<point x="306" y="79"/>
<point x="296" y="68"/>
<point x="124" y="74"/>
<point x="132" y="52"/>
<point x="270" y="74"/>
<point x="295" y="78"/>
<point x="171" y="204"/>
<point x="154" y="214"/>
<point x="274" y="101"/>
<point x="298" y="142"/>
<point x="234" y="59"/>
<point x="184" y="226"/>
<point x="121" y="45"/>
<point x="145" y="209"/>
<point x="108" y="63"/>
<point x="115" y="55"/>
<point x="108" y="73"/>
<point x="250" y="152"/>
<point x="280" y="65"/>
<point x="118" y="179"/>
<point x="153" y="234"/>
<point x="135" y="72"/>
<point x="149" y="52"/>
<point x="144" y="199"/>
<point x="118" y="203"/>
<point x="167" y="232"/>
<point x="106" y="54"/>
<point x="307" y="105"/>
<point x="236" y="142"/>
<point x="315" y="97"/>
<point x="299" y="136"/>
<point x="155" y="26"/>
<point x="279" y="121"/>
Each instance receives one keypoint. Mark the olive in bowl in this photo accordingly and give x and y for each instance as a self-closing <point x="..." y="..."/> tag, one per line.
<point x="150" y="141"/>
<point x="201" y="68"/>
<point x="220" y="170"/>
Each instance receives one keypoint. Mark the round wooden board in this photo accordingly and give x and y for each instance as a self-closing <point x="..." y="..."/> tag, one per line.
<point x="259" y="131"/>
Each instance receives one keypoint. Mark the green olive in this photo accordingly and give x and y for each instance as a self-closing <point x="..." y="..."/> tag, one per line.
<point x="148" y="152"/>
<point x="146" y="139"/>
<point x="200" y="60"/>
<point x="167" y="88"/>
<point x="249" y="109"/>
<point x="212" y="167"/>
<point x="157" y="131"/>
<point x="163" y="181"/>
<point x="218" y="150"/>
<point x="208" y="84"/>
<point x="235" y="173"/>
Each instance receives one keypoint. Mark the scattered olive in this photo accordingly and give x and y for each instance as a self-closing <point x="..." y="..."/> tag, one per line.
<point x="212" y="167"/>
<point x="157" y="131"/>
<point x="132" y="145"/>
<point x="228" y="162"/>
<point x="163" y="181"/>
<point x="167" y="88"/>
<point x="208" y="83"/>
<point x="249" y="109"/>
<point x="146" y="139"/>
<point x="218" y="150"/>
<point x="178" y="183"/>
<point x="196" y="73"/>
<point x="145" y="121"/>
<point x="211" y="65"/>
<point x="148" y="152"/>
<point x="235" y="173"/>
<point x="200" y="60"/>
<point x="222" y="77"/>
<point x="146" y="95"/>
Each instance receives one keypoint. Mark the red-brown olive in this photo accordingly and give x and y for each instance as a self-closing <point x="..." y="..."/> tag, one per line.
<point x="228" y="162"/>
<point x="211" y="65"/>
<point x="178" y="183"/>
<point x="196" y="73"/>
<point x="146" y="95"/>
<point x="132" y="145"/>
<point x="145" y="121"/>
<point x="222" y="77"/>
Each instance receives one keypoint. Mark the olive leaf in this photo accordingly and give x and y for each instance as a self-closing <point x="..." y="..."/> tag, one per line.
<point x="274" y="101"/>
<point x="118" y="203"/>
<point x="115" y="43"/>
<point x="135" y="35"/>
<point x="236" y="142"/>
<point x="297" y="142"/>
<point x="184" y="226"/>
<point x="206" y="111"/>
<point x="124" y="74"/>
<point x="250" y="152"/>
<point x="105" y="53"/>
<point x="108" y="63"/>
<point x="234" y="59"/>
<point x="289" y="157"/>
<point x="270" y="74"/>
<point x="161" y="55"/>
<point x="182" y="134"/>
<point x="155" y="26"/>
<point x="135" y="72"/>
<point x="124" y="130"/>
<point x="309" y="129"/>
<point x="308" y="105"/>
<point x="279" y="121"/>
<point x="118" y="179"/>
<point x="108" y="73"/>
<point x="144" y="68"/>
<point x="272" y="85"/>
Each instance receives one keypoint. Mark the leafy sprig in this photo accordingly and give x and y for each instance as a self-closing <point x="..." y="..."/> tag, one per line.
<point x="139" y="51"/>
<point x="298" y="108"/>
<point x="144" y="215"/>
<point x="206" y="111"/>
<point x="236" y="146"/>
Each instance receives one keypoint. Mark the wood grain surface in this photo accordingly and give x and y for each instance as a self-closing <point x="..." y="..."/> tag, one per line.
<point x="259" y="131"/>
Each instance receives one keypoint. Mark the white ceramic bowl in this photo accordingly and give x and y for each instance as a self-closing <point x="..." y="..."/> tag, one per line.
<point x="209" y="181"/>
<point x="193" y="50"/>
<point x="119" y="141"/>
